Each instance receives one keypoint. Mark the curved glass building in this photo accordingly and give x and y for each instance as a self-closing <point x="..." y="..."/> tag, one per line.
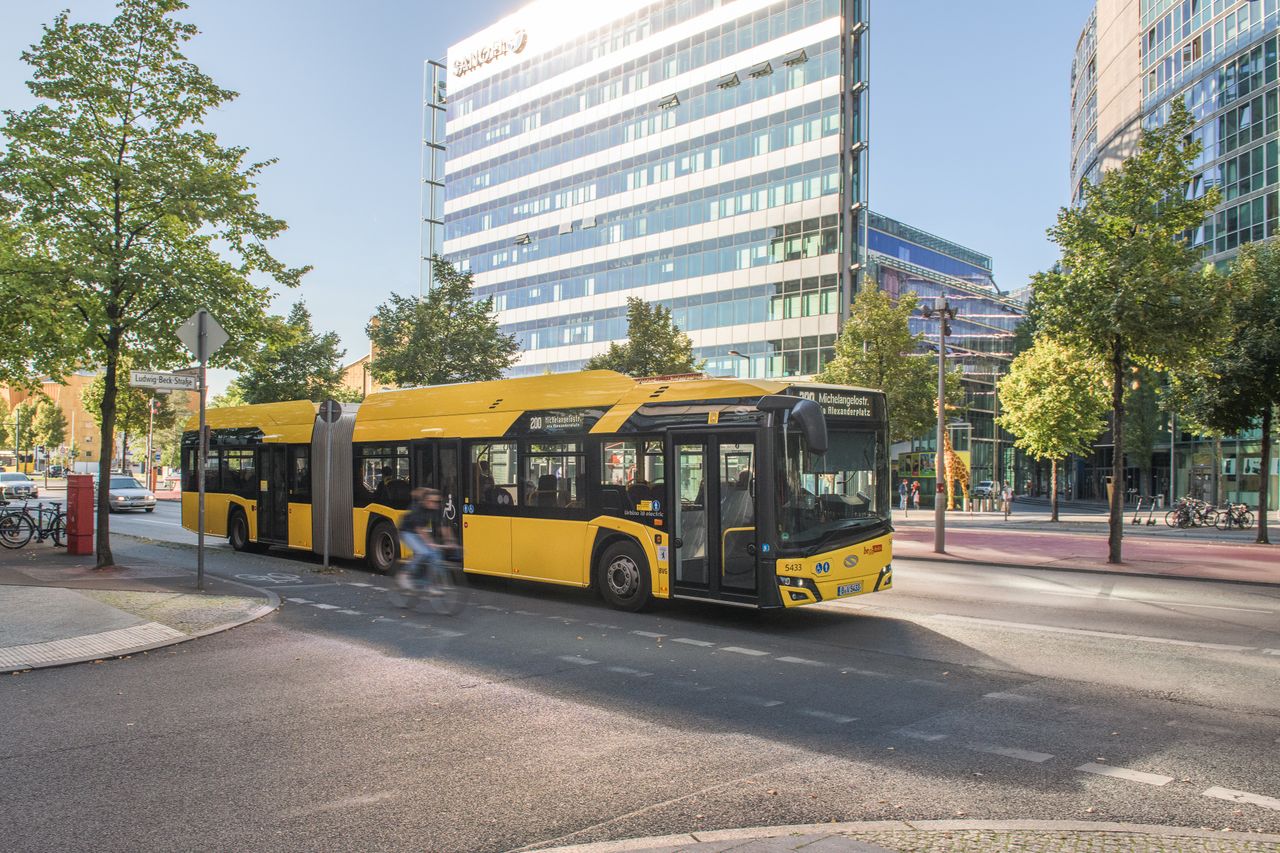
<point x="1133" y="60"/>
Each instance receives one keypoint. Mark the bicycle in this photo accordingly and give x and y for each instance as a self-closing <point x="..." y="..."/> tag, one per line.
<point x="18" y="526"/>
<point x="1235" y="515"/>
<point x="438" y="586"/>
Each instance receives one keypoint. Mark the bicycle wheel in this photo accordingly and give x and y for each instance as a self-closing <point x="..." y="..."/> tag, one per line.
<point x="58" y="531"/>
<point x="15" y="531"/>
<point x="402" y="597"/>
<point x="1171" y="518"/>
<point x="444" y="595"/>
<point x="1224" y="519"/>
<point x="1246" y="519"/>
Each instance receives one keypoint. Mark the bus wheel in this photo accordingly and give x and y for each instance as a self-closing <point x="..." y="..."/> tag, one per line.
<point x="383" y="551"/>
<point x="238" y="531"/>
<point x="623" y="575"/>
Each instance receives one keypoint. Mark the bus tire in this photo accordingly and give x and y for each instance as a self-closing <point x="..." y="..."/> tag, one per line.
<point x="238" y="531"/>
<point x="382" y="551"/>
<point x="623" y="576"/>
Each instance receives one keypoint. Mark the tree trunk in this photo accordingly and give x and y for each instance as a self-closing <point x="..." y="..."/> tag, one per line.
<point x="108" y="445"/>
<point x="1116" y="522"/>
<point x="1053" y="494"/>
<point x="1264" y="490"/>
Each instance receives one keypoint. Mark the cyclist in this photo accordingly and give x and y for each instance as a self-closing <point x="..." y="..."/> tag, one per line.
<point x="424" y="531"/>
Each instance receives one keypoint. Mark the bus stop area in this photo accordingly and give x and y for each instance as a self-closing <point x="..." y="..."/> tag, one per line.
<point x="56" y="609"/>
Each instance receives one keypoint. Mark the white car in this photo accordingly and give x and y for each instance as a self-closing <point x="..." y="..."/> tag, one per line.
<point x="984" y="489"/>
<point x="15" y="485"/>
<point x="124" y="492"/>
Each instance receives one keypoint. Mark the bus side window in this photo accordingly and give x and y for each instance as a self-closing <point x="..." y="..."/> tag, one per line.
<point x="300" y="473"/>
<point x="493" y="475"/>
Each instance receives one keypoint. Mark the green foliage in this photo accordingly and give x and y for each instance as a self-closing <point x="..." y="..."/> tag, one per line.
<point x="23" y="418"/>
<point x="233" y="396"/>
<point x="126" y="211"/>
<point x="50" y="427"/>
<point x="655" y="346"/>
<point x="1131" y="290"/>
<point x="1054" y="401"/>
<point x="294" y="363"/>
<point x="443" y="337"/>
<point x="1143" y="420"/>
<point x="1238" y="388"/>
<point x="6" y="421"/>
<point x="877" y="350"/>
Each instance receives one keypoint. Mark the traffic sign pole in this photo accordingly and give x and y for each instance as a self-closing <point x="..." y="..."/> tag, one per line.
<point x="203" y="453"/>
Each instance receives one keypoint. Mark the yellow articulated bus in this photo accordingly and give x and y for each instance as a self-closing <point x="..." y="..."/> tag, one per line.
<point x="750" y="492"/>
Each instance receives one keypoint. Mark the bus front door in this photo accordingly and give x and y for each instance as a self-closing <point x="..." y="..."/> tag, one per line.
<point x="273" y="493"/>
<point x="714" y="516"/>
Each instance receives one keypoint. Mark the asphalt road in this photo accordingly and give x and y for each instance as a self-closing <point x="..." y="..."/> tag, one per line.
<point x="540" y="716"/>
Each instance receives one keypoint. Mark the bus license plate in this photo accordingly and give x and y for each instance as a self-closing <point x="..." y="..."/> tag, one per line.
<point x="849" y="588"/>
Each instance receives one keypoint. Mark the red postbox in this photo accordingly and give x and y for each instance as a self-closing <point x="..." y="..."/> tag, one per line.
<point x="80" y="514"/>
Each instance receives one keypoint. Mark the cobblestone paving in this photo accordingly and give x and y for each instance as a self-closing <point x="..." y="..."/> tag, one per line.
<point x="186" y="612"/>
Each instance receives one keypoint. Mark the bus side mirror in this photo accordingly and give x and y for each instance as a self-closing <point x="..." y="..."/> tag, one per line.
<point x="806" y="414"/>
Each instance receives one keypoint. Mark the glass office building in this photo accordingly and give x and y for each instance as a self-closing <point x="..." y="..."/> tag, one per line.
<point x="1133" y="60"/>
<point x="709" y="155"/>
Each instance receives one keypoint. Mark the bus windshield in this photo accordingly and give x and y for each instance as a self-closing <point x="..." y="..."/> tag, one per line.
<point x="821" y="497"/>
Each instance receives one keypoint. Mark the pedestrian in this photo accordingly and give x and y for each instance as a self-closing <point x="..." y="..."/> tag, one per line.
<point x="902" y="495"/>
<point x="915" y="494"/>
<point x="1006" y="500"/>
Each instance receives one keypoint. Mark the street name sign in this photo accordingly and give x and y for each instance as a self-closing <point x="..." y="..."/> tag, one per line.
<point x="163" y="381"/>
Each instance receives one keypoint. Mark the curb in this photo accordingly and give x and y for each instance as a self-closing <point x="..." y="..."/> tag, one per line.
<point x="1120" y="572"/>
<point x="272" y="604"/>
<point x="830" y="829"/>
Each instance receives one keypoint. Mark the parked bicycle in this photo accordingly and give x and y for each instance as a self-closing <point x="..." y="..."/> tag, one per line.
<point x="1191" y="512"/>
<point x="1234" y="515"/>
<point x="20" y="524"/>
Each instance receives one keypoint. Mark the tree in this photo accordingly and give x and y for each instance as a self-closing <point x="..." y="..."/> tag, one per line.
<point x="655" y="346"/>
<point x="877" y="350"/>
<point x="445" y="336"/>
<point x="5" y="420"/>
<point x="1130" y="289"/>
<point x="1238" y="389"/>
<point x="50" y="427"/>
<point x="134" y="412"/>
<point x="129" y="213"/>
<point x="24" y="415"/>
<point x="1054" y="401"/>
<point x="233" y="396"/>
<point x="294" y="363"/>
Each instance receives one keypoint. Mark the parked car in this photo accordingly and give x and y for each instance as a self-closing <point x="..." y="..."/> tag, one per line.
<point x="984" y="489"/>
<point x="56" y="471"/>
<point x="124" y="492"/>
<point x="16" y="485"/>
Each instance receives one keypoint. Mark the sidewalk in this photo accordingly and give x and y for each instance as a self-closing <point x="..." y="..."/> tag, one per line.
<point x="1079" y="541"/>
<point x="55" y="609"/>
<point x="940" y="836"/>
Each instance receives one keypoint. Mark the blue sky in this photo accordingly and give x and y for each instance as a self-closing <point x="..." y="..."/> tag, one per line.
<point x="970" y="130"/>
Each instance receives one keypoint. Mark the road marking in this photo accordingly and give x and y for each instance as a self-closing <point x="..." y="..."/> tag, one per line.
<point x="801" y="661"/>
<point x="489" y="607"/>
<point x="351" y="612"/>
<point x="1271" y="651"/>
<point x="759" y="701"/>
<point x="912" y="733"/>
<point x="688" y="642"/>
<point x="1010" y="697"/>
<point x="1012" y="752"/>
<point x="581" y="661"/>
<point x="565" y="620"/>
<point x="357" y="583"/>
<point x="299" y="600"/>
<point x="738" y="650"/>
<point x="604" y="625"/>
<point x="827" y="715"/>
<point x="326" y="606"/>
<point x="1081" y="632"/>
<point x="626" y="670"/>
<point x="271" y="578"/>
<point x="527" y="613"/>
<point x="1126" y="774"/>
<point x="648" y="634"/>
<point x="1244" y="797"/>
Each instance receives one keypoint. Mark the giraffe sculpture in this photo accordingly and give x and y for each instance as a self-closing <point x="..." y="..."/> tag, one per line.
<point x="954" y="470"/>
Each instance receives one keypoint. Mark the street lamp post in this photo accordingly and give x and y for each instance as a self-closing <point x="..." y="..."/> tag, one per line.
<point x="745" y="358"/>
<point x="944" y="313"/>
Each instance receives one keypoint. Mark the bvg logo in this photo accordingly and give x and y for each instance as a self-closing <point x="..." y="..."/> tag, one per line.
<point x="822" y="568"/>
<point x="851" y="561"/>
